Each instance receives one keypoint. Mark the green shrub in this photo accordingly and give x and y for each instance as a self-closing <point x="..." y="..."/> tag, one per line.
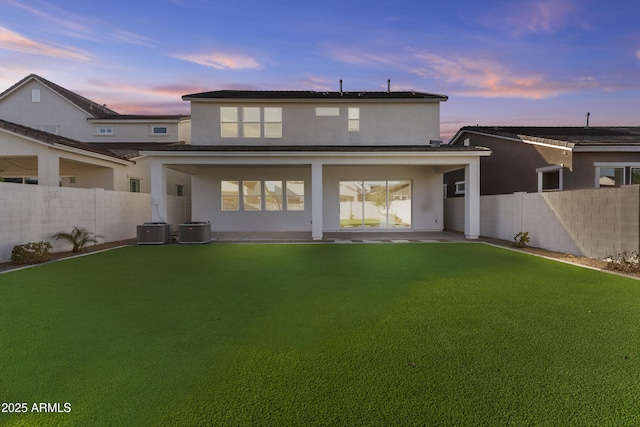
<point x="31" y="253"/>
<point x="78" y="237"/>
<point x="521" y="239"/>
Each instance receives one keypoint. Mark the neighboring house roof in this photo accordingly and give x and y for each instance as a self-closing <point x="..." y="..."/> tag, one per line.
<point x="93" y="109"/>
<point x="128" y="150"/>
<point x="312" y="95"/>
<point x="561" y="136"/>
<point x="148" y="117"/>
<point x="315" y="148"/>
<point x="53" y="139"/>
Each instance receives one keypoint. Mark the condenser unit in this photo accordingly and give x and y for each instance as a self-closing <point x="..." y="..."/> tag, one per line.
<point x="154" y="233"/>
<point x="195" y="232"/>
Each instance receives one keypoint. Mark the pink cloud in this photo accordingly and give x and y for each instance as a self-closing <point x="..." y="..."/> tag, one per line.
<point x="13" y="41"/>
<point x="221" y="60"/>
<point x="488" y="78"/>
<point x="545" y="16"/>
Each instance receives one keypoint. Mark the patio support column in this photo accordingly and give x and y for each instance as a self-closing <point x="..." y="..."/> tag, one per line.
<point x="316" y="200"/>
<point x="158" y="192"/>
<point x="472" y="199"/>
<point x="49" y="169"/>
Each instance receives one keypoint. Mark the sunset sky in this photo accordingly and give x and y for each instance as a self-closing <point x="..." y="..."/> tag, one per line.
<point x="540" y="62"/>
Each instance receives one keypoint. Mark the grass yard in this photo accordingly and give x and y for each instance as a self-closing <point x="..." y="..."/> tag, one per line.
<point x="313" y="334"/>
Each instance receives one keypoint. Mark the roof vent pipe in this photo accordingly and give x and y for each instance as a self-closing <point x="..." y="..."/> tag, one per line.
<point x="340" y="87"/>
<point x="588" y="114"/>
<point x="388" y="85"/>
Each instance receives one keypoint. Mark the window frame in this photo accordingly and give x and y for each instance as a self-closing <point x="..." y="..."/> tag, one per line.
<point x="353" y="119"/>
<point x="460" y="187"/>
<point x="627" y="175"/>
<point x="108" y="131"/>
<point x="547" y="169"/>
<point x="135" y="185"/>
<point x="153" y="129"/>
<point x="229" y="131"/>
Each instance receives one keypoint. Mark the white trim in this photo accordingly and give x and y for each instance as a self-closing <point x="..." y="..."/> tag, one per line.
<point x="617" y="164"/>
<point x="552" y="168"/>
<point x="608" y="149"/>
<point x="153" y="127"/>
<point x="569" y="147"/>
<point x="549" y="168"/>
<point x="458" y="191"/>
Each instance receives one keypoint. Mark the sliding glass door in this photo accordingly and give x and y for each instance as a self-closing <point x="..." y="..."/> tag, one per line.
<point x="375" y="204"/>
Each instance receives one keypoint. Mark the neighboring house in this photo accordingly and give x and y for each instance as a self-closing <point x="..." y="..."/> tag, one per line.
<point x="317" y="162"/>
<point x="537" y="159"/>
<point x="39" y="110"/>
<point x="30" y="156"/>
<point x="40" y="104"/>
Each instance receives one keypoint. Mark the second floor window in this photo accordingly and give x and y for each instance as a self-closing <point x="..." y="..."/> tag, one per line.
<point x="104" y="130"/>
<point x="256" y="122"/>
<point x="354" y="119"/>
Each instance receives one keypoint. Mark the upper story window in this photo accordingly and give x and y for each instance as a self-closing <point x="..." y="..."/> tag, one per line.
<point x="50" y="129"/>
<point x="251" y="122"/>
<point x="460" y="187"/>
<point x="256" y="122"/>
<point x="104" y="130"/>
<point x="35" y="95"/>
<point x="354" y="119"/>
<point x="327" y="111"/>
<point x="159" y="130"/>
<point x="273" y="122"/>
<point x="229" y="122"/>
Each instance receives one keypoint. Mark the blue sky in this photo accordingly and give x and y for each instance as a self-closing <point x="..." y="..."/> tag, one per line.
<point x="539" y="62"/>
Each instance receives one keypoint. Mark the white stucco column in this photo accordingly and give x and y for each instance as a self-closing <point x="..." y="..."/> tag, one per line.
<point x="316" y="200"/>
<point x="49" y="169"/>
<point x="472" y="199"/>
<point x="158" y="192"/>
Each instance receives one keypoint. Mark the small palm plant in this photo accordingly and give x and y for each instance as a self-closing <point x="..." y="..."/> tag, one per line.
<point x="79" y="238"/>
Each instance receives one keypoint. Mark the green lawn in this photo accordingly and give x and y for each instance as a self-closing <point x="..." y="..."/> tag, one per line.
<point x="304" y="335"/>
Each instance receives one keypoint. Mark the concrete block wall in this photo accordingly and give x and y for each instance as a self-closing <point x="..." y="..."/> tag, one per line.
<point x="593" y="223"/>
<point x="33" y="213"/>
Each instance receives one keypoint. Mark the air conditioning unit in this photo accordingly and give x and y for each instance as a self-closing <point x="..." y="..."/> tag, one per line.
<point x="195" y="232"/>
<point x="154" y="233"/>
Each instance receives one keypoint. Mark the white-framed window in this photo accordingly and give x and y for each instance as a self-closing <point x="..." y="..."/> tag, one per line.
<point x="229" y="122"/>
<point x="35" y="95"/>
<point x="327" y="111"/>
<point x="273" y="122"/>
<point x="252" y="195"/>
<point x="230" y="191"/>
<point x="251" y="122"/>
<point x="460" y="187"/>
<point x="180" y="190"/>
<point x="50" y="129"/>
<point x="159" y="130"/>
<point x="134" y="185"/>
<point x="354" y="119"/>
<point x="615" y="174"/>
<point x="273" y="200"/>
<point x="104" y="130"/>
<point x="256" y="122"/>
<point x="550" y="178"/>
<point x="295" y="195"/>
<point x="248" y="196"/>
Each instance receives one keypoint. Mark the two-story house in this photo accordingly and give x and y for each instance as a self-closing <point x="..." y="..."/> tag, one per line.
<point x="35" y="107"/>
<point x="317" y="162"/>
